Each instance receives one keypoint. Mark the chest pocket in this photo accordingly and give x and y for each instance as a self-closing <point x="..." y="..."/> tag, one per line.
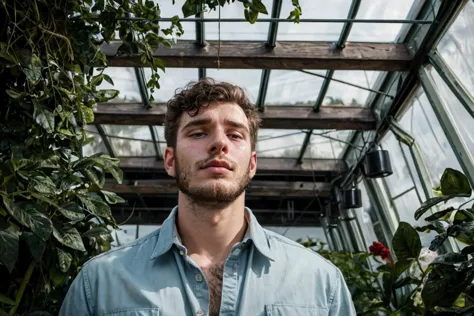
<point x="294" y="310"/>
<point x="135" y="312"/>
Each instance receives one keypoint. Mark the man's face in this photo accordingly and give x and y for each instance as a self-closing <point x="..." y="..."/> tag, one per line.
<point x="213" y="161"/>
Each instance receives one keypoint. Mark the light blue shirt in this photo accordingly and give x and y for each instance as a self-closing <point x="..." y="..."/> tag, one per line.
<point x="265" y="274"/>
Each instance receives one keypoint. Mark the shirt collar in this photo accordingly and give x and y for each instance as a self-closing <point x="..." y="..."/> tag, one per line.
<point x="169" y="235"/>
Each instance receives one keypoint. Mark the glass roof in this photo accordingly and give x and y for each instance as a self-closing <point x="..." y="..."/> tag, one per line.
<point x="283" y="87"/>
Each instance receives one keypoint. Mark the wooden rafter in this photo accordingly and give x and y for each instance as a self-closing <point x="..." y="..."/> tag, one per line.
<point x="285" y="55"/>
<point x="274" y="166"/>
<point x="282" y="189"/>
<point x="281" y="117"/>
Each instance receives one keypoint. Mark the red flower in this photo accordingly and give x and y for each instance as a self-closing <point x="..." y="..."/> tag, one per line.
<point x="379" y="249"/>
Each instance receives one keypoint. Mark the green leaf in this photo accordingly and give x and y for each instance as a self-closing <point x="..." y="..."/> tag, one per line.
<point x="14" y="94"/>
<point x="29" y="215"/>
<point x="9" y="247"/>
<point x="444" y="285"/>
<point x="69" y="236"/>
<point x="45" y="118"/>
<point x="6" y="300"/>
<point x="189" y="9"/>
<point x="427" y="228"/>
<point x="86" y="114"/>
<point x="158" y="63"/>
<point x="464" y="232"/>
<point x="33" y="72"/>
<point x="430" y="203"/>
<point x="467" y="250"/>
<point x="438" y="241"/>
<point x="96" y="231"/>
<point x="35" y="244"/>
<point x="444" y="214"/>
<point x="65" y="260"/>
<point x="44" y="185"/>
<point x="95" y="205"/>
<point x="3" y="313"/>
<point x="108" y="79"/>
<point x="112" y="198"/>
<point x="406" y="281"/>
<point x="258" y="6"/>
<point x="97" y="80"/>
<point x="3" y="212"/>
<point x="406" y="242"/>
<point x="454" y="182"/>
<point x="106" y="95"/>
<point x="57" y="277"/>
<point x="450" y="258"/>
<point x="72" y="211"/>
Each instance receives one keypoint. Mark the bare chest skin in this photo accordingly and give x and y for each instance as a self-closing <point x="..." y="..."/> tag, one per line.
<point x="214" y="276"/>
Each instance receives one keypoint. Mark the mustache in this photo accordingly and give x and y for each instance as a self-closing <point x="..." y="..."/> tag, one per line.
<point x="201" y="163"/>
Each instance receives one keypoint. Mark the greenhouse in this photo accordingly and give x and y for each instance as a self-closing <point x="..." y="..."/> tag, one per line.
<point x="364" y="156"/>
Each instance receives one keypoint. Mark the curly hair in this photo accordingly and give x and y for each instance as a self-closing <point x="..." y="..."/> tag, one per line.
<point x="197" y="95"/>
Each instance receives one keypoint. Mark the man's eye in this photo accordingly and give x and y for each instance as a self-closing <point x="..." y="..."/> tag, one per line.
<point x="236" y="136"/>
<point x="197" y="135"/>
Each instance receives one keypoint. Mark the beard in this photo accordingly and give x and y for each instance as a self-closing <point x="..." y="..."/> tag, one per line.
<point x="215" y="193"/>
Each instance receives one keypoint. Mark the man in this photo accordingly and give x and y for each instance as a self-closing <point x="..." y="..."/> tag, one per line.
<point x="210" y="257"/>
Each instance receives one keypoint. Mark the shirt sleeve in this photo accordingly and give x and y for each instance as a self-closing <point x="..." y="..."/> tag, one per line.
<point x="342" y="300"/>
<point x="77" y="300"/>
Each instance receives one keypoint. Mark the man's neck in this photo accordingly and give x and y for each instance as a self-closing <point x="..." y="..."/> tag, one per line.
<point x="209" y="232"/>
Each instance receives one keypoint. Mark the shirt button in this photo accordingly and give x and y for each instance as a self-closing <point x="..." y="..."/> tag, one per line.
<point x="236" y="252"/>
<point x="200" y="313"/>
<point x="198" y="277"/>
<point x="181" y="252"/>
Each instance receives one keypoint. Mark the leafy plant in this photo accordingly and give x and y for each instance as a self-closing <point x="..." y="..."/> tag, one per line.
<point x="419" y="281"/>
<point x="54" y="213"/>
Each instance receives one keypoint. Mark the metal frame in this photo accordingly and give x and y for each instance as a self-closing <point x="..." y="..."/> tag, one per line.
<point x="452" y="81"/>
<point x="271" y="42"/>
<point x="340" y="44"/>
<point x="448" y="125"/>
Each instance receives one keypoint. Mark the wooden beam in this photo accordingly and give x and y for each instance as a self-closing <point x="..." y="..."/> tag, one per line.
<point x="134" y="217"/>
<point x="256" y="188"/>
<point x="285" y="55"/>
<point x="280" y="117"/>
<point x="276" y="166"/>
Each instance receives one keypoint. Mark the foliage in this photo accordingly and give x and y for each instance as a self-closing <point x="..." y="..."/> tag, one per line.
<point x="54" y="213"/>
<point x="419" y="281"/>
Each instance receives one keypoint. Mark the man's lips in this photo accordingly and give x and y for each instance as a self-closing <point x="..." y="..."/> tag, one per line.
<point x="217" y="164"/>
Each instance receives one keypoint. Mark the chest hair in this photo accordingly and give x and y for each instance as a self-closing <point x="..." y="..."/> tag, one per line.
<point x="214" y="276"/>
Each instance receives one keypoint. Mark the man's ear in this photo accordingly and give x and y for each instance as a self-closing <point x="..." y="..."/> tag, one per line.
<point x="253" y="164"/>
<point x="170" y="161"/>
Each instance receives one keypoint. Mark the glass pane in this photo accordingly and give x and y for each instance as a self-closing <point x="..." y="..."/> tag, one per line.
<point x="412" y="167"/>
<point x="421" y="122"/>
<point x="168" y="10"/>
<point x="237" y="31"/>
<point x="172" y="79"/>
<point x="303" y="233"/>
<point x="248" y="79"/>
<point x="380" y="32"/>
<point x="283" y="84"/>
<point x="335" y="9"/>
<point x="464" y="121"/>
<point x="279" y="142"/>
<point x="366" y="217"/>
<point x="327" y="145"/>
<point x="130" y="140"/>
<point x="400" y="180"/>
<point x="406" y="206"/>
<point x="343" y="94"/>
<point x="457" y="47"/>
<point x="125" y="81"/>
<point x="160" y="138"/>
<point x="97" y="144"/>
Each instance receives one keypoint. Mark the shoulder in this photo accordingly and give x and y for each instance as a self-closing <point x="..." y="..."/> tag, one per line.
<point x="138" y="250"/>
<point x="294" y="252"/>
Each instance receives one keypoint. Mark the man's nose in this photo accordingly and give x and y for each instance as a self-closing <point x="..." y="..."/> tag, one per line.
<point x="219" y="144"/>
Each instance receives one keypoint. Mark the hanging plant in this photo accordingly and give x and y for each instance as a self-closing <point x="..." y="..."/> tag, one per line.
<point x="54" y="213"/>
